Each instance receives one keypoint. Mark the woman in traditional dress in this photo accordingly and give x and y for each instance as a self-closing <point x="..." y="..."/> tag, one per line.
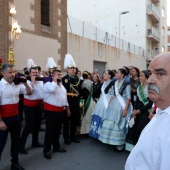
<point x="114" y="128"/>
<point x="102" y="104"/>
<point x="89" y="103"/>
<point x="141" y="110"/>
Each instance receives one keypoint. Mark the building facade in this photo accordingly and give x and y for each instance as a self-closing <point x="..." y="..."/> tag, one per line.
<point x="44" y="31"/>
<point x="127" y="31"/>
<point x="142" y="23"/>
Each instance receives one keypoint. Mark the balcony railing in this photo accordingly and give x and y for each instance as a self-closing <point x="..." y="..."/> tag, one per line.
<point x="152" y="53"/>
<point x="153" y="12"/>
<point x="153" y="34"/>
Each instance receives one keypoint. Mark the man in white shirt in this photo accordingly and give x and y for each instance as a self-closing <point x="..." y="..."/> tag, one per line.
<point x="55" y="100"/>
<point x="33" y="111"/>
<point x="152" y="152"/>
<point x="9" y="118"/>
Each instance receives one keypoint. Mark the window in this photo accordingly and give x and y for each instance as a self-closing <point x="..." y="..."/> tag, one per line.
<point x="163" y="12"/>
<point x="45" y="12"/>
<point x="163" y="49"/>
<point x="157" y="49"/>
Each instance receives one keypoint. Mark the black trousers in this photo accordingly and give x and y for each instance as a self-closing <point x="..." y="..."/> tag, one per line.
<point x="32" y="124"/>
<point x="14" y="128"/>
<point x="53" y="121"/>
<point x="20" y="109"/>
<point x="70" y="124"/>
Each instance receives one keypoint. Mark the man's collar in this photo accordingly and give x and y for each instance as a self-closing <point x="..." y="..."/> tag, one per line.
<point x="5" y="82"/>
<point x="167" y="110"/>
<point x="70" y="75"/>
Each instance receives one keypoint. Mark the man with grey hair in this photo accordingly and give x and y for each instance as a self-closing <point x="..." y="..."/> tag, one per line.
<point x="153" y="148"/>
<point x="9" y="118"/>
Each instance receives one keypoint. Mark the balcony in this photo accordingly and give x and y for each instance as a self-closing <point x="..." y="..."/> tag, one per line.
<point x="152" y="53"/>
<point x="153" y="34"/>
<point x="155" y="1"/>
<point x="153" y="13"/>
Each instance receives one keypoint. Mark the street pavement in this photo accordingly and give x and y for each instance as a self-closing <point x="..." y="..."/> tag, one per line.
<point x="90" y="154"/>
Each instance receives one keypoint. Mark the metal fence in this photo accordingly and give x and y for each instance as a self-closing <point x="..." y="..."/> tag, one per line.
<point x="154" y="31"/>
<point x="78" y="27"/>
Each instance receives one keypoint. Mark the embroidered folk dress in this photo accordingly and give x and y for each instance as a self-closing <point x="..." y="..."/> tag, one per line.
<point x="89" y="105"/>
<point x="141" y="119"/>
<point x="99" y="110"/>
<point x="114" y="128"/>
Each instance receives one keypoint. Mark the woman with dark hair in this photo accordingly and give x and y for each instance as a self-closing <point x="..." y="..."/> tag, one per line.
<point x="105" y="99"/>
<point x="87" y="89"/>
<point x="141" y="110"/>
<point x="116" y="117"/>
<point x="96" y="87"/>
<point x="127" y="76"/>
<point x="134" y="82"/>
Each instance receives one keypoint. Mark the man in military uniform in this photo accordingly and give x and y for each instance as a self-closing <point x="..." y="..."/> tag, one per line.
<point x="73" y="86"/>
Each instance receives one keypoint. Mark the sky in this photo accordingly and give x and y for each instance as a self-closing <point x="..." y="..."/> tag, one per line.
<point x="168" y="12"/>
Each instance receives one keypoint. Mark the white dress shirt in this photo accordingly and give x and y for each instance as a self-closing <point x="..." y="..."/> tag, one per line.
<point x="152" y="152"/>
<point x="37" y="91"/>
<point x="9" y="93"/>
<point x="55" y="95"/>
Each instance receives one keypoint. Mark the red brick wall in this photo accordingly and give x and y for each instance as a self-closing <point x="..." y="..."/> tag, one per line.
<point x="55" y="31"/>
<point x="169" y="39"/>
<point x="4" y="29"/>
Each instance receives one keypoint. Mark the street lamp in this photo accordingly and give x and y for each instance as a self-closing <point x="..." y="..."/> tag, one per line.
<point x="15" y="33"/>
<point x="121" y="13"/>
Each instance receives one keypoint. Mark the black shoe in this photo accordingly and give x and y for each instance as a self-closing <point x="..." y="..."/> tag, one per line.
<point x="47" y="155"/>
<point x="16" y="167"/>
<point x="61" y="150"/>
<point x="75" y="140"/>
<point x="67" y="142"/>
<point x="37" y="145"/>
<point x="23" y="151"/>
<point x="118" y="150"/>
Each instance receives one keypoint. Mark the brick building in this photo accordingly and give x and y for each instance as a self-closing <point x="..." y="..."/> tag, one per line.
<point x="44" y="31"/>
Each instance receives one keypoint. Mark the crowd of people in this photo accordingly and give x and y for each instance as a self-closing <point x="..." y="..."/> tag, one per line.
<point x="113" y="108"/>
<point x="124" y="96"/>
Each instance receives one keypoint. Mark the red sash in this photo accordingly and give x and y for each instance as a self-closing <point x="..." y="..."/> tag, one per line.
<point x="155" y="107"/>
<point x="8" y="110"/>
<point x="33" y="103"/>
<point x="53" y="108"/>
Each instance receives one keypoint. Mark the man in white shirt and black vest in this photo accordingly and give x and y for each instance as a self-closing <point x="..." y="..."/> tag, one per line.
<point x="9" y="119"/>
<point x="55" y="101"/>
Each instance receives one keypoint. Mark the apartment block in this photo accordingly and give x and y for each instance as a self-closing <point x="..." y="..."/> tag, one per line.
<point x="156" y="27"/>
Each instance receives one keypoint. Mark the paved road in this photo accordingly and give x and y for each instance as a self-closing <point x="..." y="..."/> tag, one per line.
<point x="90" y="154"/>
